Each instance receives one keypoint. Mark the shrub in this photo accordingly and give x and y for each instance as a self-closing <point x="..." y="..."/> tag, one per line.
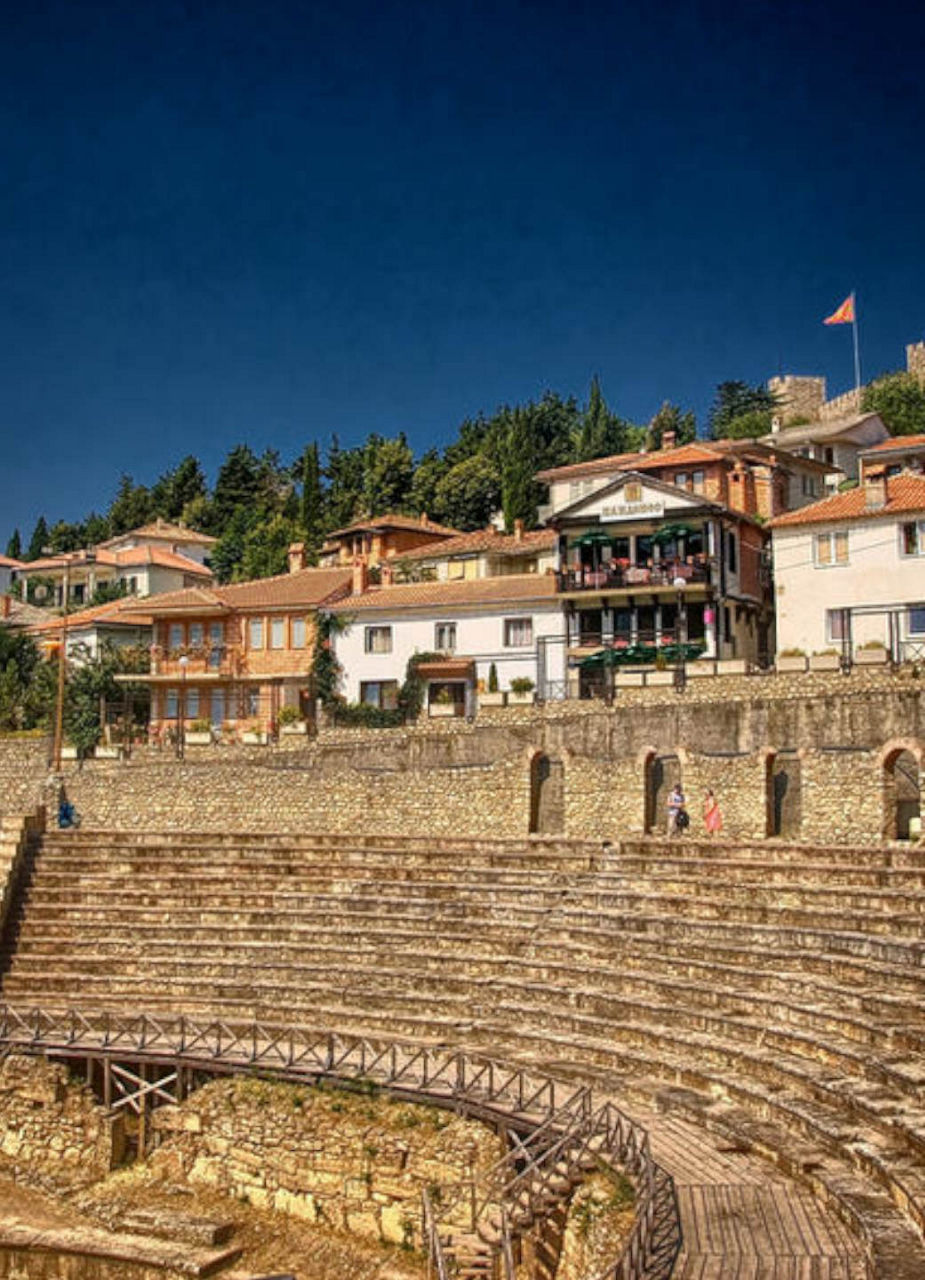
<point x="792" y="653"/>
<point x="492" y="679"/>
<point x="521" y="684"/>
<point x="200" y="726"/>
<point x="289" y="715"/>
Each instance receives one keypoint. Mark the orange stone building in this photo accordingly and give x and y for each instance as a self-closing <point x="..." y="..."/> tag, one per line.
<point x="378" y="538"/>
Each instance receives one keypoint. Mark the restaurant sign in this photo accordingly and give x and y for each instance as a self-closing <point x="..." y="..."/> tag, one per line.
<point x="631" y="510"/>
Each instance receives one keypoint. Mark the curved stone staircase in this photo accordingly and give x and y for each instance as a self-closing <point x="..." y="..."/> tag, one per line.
<point x="769" y="995"/>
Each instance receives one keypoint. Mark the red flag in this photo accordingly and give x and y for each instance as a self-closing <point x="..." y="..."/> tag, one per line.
<point x="844" y="314"/>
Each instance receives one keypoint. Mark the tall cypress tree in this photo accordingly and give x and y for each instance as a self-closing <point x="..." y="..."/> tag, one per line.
<point x="38" y="540"/>
<point x="312" y="504"/>
<point x="14" y="546"/>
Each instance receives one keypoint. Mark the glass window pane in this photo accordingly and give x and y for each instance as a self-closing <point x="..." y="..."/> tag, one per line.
<point x="176" y="635"/>
<point x="841" y="547"/>
<point x="298" y="633"/>
<point x="173" y="704"/>
<point x="192" y="704"/>
<point x="196" y="634"/>
<point x="256" y="633"/>
<point x="278" y="633"/>
<point x="917" y="620"/>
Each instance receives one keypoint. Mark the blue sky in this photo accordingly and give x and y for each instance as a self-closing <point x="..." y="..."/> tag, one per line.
<point x="231" y="222"/>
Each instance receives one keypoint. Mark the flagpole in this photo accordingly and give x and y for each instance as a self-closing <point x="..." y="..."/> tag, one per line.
<point x="857" y="356"/>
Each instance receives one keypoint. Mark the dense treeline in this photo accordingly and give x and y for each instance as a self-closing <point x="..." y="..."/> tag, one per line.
<point x="260" y="504"/>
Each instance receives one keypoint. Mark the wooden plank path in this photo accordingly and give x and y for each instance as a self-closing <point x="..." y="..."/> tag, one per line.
<point x="741" y="1219"/>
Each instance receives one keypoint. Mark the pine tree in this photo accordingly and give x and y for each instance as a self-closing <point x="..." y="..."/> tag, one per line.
<point x="14" y="546"/>
<point x="311" y="512"/>
<point x="237" y="488"/>
<point x="519" y="493"/>
<point x="38" y="541"/>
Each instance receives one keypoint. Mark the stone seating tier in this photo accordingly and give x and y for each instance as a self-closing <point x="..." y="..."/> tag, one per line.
<point x="773" y="998"/>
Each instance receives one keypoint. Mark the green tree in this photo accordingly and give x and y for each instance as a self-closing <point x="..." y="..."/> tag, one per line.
<point x="14" y="546"/>
<point x="597" y="433"/>
<point x="265" y="547"/>
<point x="19" y="661"/>
<point x="468" y="494"/>
<point x="177" y="487"/>
<point x="520" y="494"/>
<point x="228" y="553"/>
<point x="311" y="512"/>
<point x="95" y="529"/>
<point x="388" y="469"/>
<point x="38" y="540"/>
<point x="429" y="471"/>
<point x="735" y="400"/>
<point x="92" y="681"/>
<point x="130" y="508"/>
<point x="344" y="471"/>
<point x="899" y="398"/>
<point x="671" y="418"/>
<point x="237" y="489"/>
<point x="749" y="426"/>
<point x="64" y="536"/>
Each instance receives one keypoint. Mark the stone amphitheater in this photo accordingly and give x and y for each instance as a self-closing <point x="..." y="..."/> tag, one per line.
<point x="751" y="1005"/>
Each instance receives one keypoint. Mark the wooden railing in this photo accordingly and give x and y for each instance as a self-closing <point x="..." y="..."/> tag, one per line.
<point x="556" y="1129"/>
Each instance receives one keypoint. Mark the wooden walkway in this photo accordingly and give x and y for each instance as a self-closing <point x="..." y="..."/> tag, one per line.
<point x="742" y="1220"/>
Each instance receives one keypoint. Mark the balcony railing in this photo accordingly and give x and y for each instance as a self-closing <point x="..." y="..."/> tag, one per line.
<point x="663" y="573"/>
<point x="230" y="660"/>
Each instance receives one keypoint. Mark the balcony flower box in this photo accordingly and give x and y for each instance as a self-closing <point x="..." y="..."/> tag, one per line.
<point x="442" y="710"/>
<point x="701" y="667"/>
<point x="254" y="738"/>
<point x="295" y="729"/>
<point x="731" y="667"/>
<point x="872" y="657"/>
<point x="107" y="753"/>
<point x="825" y="662"/>
<point x="659" y="677"/>
<point x="790" y="662"/>
<point x="526" y="699"/>
<point x="634" y="679"/>
<point x="495" y="699"/>
<point x="197" y="738"/>
<point x="68" y="752"/>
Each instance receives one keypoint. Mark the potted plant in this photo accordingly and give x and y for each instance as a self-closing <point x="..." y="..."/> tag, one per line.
<point x="521" y="691"/>
<point x="252" y="735"/>
<point x="825" y="660"/>
<point x="492" y="697"/>
<point x="291" y="722"/>
<point x="872" y="654"/>
<point x="199" y="734"/>
<point x="442" y="704"/>
<point x="791" y="660"/>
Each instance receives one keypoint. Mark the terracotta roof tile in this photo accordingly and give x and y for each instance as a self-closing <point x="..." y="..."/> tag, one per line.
<point x="22" y="614"/>
<point x="7" y="563"/>
<point x="307" y="589"/>
<point x="904" y="493"/>
<point x="683" y="455"/>
<point x="899" y="443"/>
<point x="163" y="529"/>
<point x="116" y="612"/>
<point x="126" y="559"/>
<point x="387" y="521"/>
<point x="509" y="589"/>
<point x="502" y="544"/>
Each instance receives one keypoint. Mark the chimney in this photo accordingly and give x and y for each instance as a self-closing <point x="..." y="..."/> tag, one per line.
<point x="669" y="439"/>
<point x="5" y="605"/>
<point x="360" y="576"/>
<point x="518" y="530"/>
<point x="875" y="489"/>
<point x="425" y="518"/>
<point x="386" y="573"/>
<point x="296" y="557"/>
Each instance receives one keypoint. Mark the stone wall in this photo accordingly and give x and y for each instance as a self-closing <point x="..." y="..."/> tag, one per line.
<point x="354" y="1163"/>
<point x="452" y="778"/>
<point x="23" y="767"/>
<point x="52" y="1132"/>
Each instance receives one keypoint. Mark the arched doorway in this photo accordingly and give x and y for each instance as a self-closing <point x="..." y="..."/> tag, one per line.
<point x="902" y="793"/>
<point x="547" y="796"/>
<point x="784" y="794"/>
<point x="660" y="775"/>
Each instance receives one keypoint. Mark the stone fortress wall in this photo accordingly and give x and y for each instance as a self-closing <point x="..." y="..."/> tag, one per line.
<point x="805" y="756"/>
<point x="804" y="397"/>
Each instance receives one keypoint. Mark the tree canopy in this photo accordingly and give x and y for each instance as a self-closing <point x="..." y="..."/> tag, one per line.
<point x="899" y="398"/>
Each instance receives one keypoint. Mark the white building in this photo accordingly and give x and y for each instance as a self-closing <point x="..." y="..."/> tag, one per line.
<point x="9" y="570"/>
<point x="485" y="553"/>
<point x="503" y="622"/>
<point x="91" y="629"/>
<point x="837" y="443"/>
<point x="850" y="570"/>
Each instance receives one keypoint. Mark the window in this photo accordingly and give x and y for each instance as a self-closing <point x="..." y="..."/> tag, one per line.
<point x="809" y="486"/>
<point x="836" y="624"/>
<point x="917" y="619"/>
<point x="831" y="548"/>
<point x="681" y="480"/>
<point x="732" y="552"/>
<point x="173" y="703"/>
<point x="445" y="637"/>
<point x="378" y="640"/>
<point x="379" y="693"/>
<point x="698" y="480"/>
<point x="255" y="633"/>
<point x="196" y="634"/>
<point x="518" y="632"/>
<point x="175" y="640"/>
<point x="252" y="702"/>
<point x="912" y="538"/>
<point x="277" y="633"/>
<point x="298" y="633"/>
<point x="192" y="704"/>
<point x="216" y="641"/>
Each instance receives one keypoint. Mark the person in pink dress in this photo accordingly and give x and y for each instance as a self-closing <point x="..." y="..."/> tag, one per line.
<point x="712" y="817"/>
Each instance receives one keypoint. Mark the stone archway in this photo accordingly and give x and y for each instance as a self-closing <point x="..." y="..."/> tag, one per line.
<point x="660" y="773"/>
<point x="901" y="764"/>
<point x="547" y="795"/>
<point x="783" y="794"/>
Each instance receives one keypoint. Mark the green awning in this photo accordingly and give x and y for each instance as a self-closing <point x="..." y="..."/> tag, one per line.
<point x="671" y="532"/>
<point x="594" y="538"/>
<point x="640" y="655"/>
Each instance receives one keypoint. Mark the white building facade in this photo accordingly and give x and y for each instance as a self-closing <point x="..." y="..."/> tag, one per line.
<point x="850" y="571"/>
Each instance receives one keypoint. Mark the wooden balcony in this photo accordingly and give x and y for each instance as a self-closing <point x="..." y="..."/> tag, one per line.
<point x="661" y="575"/>
<point x="228" y="661"/>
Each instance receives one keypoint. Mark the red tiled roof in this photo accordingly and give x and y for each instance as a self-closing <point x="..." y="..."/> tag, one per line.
<point x="695" y="452"/>
<point x="502" y="544"/>
<point x="904" y="493"/>
<point x="899" y="443"/>
<point x="115" y="613"/>
<point x="509" y="589"/>
<point x="130" y="558"/>
<point x="415" y="523"/>
<point x="166" y="530"/>
<point x="309" y="588"/>
<point x="21" y="614"/>
<point x="7" y="563"/>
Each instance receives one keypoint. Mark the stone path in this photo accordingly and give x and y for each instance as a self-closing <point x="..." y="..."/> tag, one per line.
<point x="741" y="1220"/>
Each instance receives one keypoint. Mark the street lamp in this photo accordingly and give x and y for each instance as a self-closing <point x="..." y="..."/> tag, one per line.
<point x="181" y="722"/>
<point x="680" y="671"/>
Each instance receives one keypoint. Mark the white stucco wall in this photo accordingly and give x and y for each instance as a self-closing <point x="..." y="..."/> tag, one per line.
<point x="479" y="636"/>
<point x="876" y="573"/>
<point x="6" y="579"/>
